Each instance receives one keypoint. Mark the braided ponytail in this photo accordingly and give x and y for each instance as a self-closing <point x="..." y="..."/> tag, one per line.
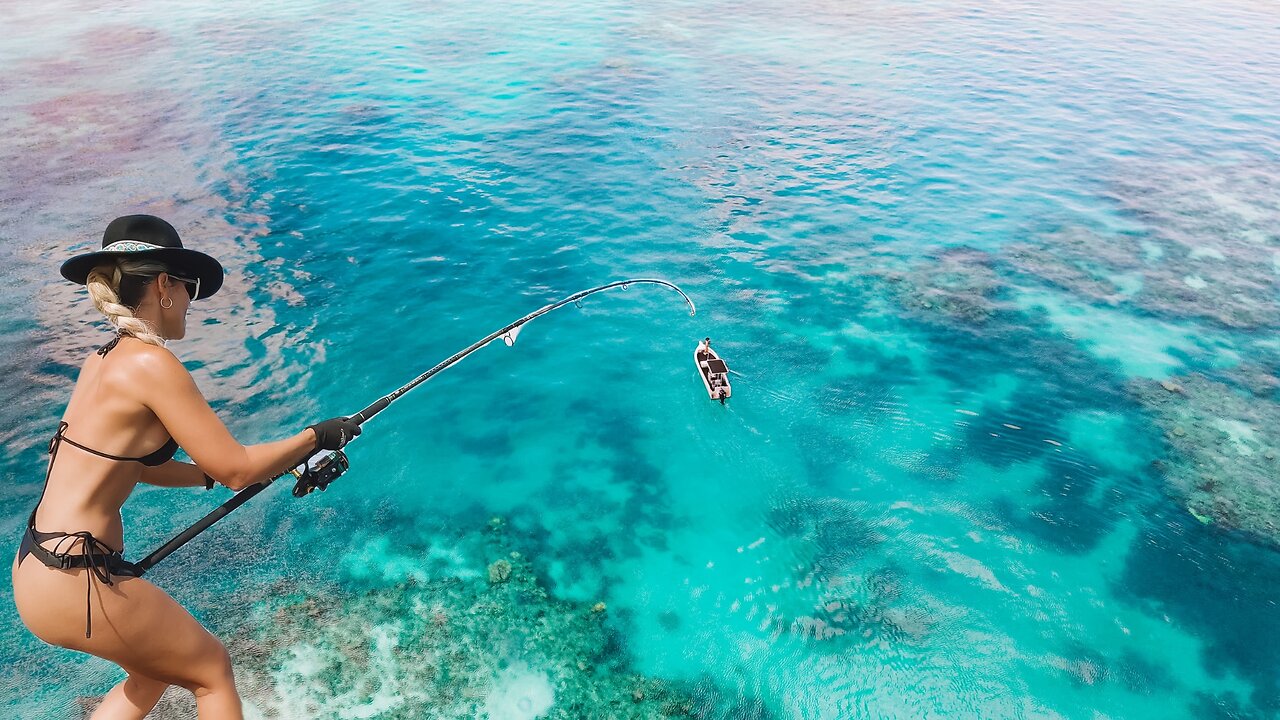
<point x="104" y="285"/>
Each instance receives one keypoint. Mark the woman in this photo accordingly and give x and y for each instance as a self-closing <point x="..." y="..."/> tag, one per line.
<point x="71" y="586"/>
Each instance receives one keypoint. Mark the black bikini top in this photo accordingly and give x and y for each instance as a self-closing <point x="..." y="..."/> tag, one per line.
<point x="159" y="457"/>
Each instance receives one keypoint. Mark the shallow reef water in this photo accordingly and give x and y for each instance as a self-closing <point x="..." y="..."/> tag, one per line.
<point x="491" y="644"/>
<point x="999" y="284"/>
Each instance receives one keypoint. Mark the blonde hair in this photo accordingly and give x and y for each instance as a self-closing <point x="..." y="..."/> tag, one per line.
<point x="104" y="284"/>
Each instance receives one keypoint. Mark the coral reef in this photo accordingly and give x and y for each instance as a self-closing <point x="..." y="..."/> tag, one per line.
<point x="1219" y="224"/>
<point x="1207" y="248"/>
<point x="852" y="605"/>
<point x="447" y="648"/>
<point x="1100" y="269"/>
<point x="1204" y="248"/>
<point x="1225" y="448"/>
<point x="836" y="530"/>
<point x="960" y="284"/>
<point x="857" y="614"/>
<point x="1257" y="378"/>
<point x="499" y="572"/>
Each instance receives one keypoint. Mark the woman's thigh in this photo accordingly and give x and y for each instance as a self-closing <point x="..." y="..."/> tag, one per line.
<point x="135" y="625"/>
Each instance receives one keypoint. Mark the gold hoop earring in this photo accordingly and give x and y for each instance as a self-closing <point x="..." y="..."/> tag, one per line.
<point x="166" y="307"/>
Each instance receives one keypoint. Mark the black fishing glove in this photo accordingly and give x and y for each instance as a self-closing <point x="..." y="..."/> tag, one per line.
<point x="333" y="433"/>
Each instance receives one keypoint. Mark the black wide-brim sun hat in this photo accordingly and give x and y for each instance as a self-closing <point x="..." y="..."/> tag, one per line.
<point x="148" y="237"/>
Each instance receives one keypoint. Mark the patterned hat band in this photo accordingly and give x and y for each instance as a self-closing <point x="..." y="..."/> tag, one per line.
<point x="130" y="246"/>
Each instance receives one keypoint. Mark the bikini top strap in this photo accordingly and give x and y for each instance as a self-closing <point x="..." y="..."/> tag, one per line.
<point x="54" y="442"/>
<point x="107" y="348"/>
<point x="57" y="438"/>
<point x="60" y="436"/>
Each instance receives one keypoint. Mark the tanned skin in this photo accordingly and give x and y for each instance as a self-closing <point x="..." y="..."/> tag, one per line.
<point x="128" y="403"/>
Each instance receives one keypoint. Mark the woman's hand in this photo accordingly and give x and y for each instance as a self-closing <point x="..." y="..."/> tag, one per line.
<point x="333" y="433"/>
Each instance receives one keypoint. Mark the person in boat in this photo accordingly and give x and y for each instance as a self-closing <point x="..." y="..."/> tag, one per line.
<point x="133" y="406"/>
<point x="704" y="353"/>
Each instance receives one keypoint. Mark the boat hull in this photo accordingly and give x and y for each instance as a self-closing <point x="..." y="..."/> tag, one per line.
<point x="714" y="372"/>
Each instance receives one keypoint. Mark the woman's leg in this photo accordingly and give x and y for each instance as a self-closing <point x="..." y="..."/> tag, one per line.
<point x="135" y="625"/>
<point x="145" y="630"/>
<point x="132" y="699"/>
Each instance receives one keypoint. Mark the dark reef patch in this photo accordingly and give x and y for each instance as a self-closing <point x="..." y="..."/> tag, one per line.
<point x="1221" y="588"/>
<point x="837" y="530"/>
<point x="1067" y="516"/>
<point x="959" y="286"/>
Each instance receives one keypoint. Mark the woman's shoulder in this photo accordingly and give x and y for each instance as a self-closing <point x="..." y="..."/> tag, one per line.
<point x="133" y="372"/>
<point x="133" y="359"/>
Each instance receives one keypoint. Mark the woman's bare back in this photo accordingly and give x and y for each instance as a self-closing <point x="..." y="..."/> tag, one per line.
<point x="85" y="491"/>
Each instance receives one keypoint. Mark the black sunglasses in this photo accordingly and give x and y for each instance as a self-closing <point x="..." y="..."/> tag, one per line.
<point x="193" y="286"/>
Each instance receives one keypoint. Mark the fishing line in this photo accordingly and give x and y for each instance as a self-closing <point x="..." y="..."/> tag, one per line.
<point x="326" y="466"/>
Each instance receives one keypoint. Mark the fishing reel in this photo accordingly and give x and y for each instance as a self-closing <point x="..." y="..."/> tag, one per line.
<point x="319" y="471"/>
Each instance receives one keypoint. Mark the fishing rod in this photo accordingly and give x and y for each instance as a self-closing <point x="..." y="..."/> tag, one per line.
<point x="325" y="466"/>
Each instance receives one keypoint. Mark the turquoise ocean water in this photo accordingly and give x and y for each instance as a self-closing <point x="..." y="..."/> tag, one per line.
<point x="1001" y="281"/>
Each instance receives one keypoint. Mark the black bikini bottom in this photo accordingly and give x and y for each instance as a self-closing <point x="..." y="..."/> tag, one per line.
<point x="102" y="562"/>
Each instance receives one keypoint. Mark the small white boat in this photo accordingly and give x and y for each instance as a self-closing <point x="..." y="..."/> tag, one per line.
<point x="715" y="374"/>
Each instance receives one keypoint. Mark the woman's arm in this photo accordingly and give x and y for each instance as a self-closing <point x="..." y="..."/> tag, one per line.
<point x="172" y="395"/>
<point x="173" y="474"/>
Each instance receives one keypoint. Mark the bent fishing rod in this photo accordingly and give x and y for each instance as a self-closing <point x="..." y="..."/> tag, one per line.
<point x="325" y="466"/>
